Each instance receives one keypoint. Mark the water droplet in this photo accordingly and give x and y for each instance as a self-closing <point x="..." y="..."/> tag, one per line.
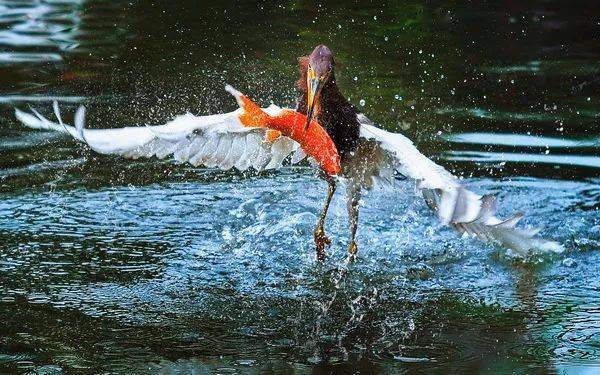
<point x="355" y="78"/>
<point x="362" y="102"/>
<point x="386" y="38"/>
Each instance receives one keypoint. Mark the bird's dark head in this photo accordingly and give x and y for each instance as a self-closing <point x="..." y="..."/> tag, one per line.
<point x="319" y="72"/>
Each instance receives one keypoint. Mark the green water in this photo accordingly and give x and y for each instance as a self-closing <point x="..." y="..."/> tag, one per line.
<point x="120" y="266"/>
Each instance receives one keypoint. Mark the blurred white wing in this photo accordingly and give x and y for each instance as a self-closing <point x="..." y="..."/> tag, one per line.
<point x="213" y="141"/>
<point x="467" y="212"/>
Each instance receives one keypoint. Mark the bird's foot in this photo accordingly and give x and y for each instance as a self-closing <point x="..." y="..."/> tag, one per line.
<point x="321" y="240"/>
<point x="352" y="250"/>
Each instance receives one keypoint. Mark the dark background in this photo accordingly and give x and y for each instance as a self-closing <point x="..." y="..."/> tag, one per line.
<point x="109" y="265"/>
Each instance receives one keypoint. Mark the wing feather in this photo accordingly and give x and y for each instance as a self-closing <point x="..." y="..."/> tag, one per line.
<point x="465" y="211"/>
<point x="238" y="146"/>
<point x="198" y="150"/>
<point x="263" y="157"/>
<point x="243" y="161"/>
<point x="214" y="141"/>
<point x="223" y="143"/>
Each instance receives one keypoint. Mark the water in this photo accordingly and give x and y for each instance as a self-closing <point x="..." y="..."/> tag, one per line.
<point x="109" y="265"/>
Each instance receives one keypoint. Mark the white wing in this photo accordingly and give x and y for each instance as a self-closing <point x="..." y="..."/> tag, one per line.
<point x="465" y="211"/>
<point x="213" y="141"/>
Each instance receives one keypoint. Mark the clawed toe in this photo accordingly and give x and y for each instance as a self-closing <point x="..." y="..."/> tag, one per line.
<point x="352" y="250"/>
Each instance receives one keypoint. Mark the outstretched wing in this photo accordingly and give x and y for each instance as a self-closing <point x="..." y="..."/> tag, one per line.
<point x="465" y="211"/>
<point x="213" y="141"/>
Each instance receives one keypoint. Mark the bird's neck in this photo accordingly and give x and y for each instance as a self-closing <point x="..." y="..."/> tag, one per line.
<point x="337" y="116"/>
<point x="330" y="94"/>
<point x="335" y="113"/>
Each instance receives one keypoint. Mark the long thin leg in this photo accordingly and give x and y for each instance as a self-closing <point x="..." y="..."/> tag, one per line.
<point x="353" y="201"/>
<point x="321" y="239"/>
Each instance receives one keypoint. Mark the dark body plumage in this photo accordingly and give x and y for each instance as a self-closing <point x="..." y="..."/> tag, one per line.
<point x="335" y="113"/>
<point x="339" y="118"/>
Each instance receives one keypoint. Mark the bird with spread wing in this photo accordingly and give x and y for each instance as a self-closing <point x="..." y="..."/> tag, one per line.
<point x="327" y="129"/>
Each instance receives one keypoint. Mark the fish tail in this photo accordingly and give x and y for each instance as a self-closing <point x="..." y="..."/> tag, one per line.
<point x="252" y="114"/>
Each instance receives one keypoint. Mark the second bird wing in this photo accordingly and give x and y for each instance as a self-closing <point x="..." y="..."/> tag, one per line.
<point x="454" y="205"/>
<point x="213" y="141"/>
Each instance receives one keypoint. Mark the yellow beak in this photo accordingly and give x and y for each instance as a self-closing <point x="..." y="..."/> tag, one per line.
<point x="314" y="85"/>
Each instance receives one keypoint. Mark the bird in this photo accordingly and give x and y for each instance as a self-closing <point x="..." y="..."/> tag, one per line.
<point x="369" y="156"/>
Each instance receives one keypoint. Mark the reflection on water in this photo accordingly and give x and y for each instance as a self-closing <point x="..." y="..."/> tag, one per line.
<point x="51" y="25"/>
<point x="146" y="266"/>
<point x="487" y="157"/>
<point x="521" y="140"/>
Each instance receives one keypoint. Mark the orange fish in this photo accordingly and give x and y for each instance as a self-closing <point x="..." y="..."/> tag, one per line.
<point x="314" y="140"/>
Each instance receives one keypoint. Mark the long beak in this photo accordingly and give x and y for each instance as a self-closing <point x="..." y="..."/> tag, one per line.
<point x="314" y="86"/>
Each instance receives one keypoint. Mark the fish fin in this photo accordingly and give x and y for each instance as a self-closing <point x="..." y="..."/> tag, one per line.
<point x="252" y="115"/>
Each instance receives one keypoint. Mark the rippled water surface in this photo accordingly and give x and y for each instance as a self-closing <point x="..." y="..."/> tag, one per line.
<point x="120" y="266"/>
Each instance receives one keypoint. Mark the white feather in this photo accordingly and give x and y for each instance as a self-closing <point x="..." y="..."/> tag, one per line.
<point x="465" y="211"/>
<point x="214" y="140"/>
<point x="220" y="140"/>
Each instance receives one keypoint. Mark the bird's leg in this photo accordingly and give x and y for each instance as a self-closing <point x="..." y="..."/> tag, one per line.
<point x="321" y="240"/>
<point x="353" y="200"/>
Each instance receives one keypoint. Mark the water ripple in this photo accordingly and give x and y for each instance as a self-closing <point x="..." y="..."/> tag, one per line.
<point x="498" y="157"/>
<point x="239" y="256"/>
